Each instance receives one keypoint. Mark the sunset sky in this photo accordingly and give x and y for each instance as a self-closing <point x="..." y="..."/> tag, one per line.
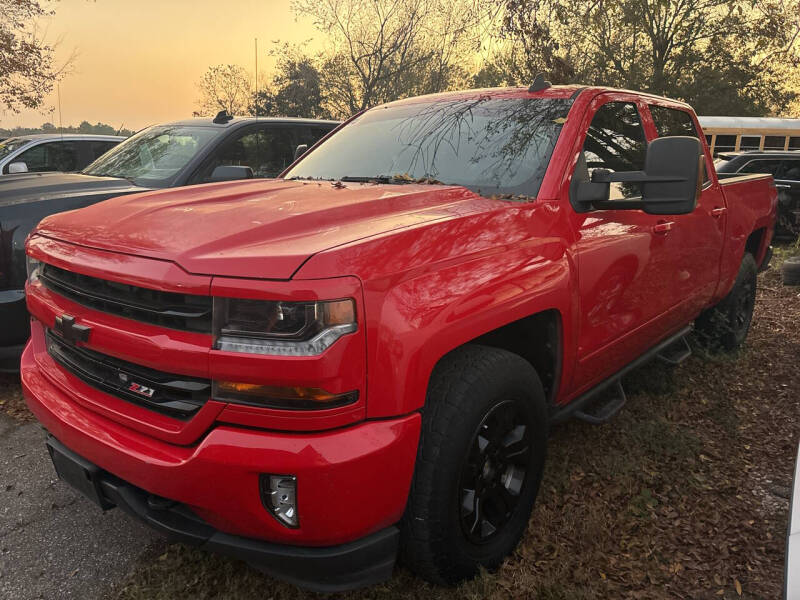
<point x="138" y="62"/>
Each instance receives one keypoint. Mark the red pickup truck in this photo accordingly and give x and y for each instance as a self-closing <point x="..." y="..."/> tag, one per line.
<point x="362" y="358"/>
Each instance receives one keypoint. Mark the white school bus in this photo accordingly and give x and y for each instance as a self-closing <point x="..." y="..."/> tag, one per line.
<point x="739" y="134"/>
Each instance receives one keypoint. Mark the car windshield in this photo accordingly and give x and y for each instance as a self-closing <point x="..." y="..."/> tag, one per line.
<point x="11" y="145"/>
<point x="154" y="156"/>
<point x="489" y="145"/>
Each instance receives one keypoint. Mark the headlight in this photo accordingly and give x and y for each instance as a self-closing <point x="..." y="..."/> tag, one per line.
<point x="281" y="328"/>
<point x="34" y="267"/>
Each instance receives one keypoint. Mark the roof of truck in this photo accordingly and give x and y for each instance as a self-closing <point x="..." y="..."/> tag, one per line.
<point x="554" y="91"/>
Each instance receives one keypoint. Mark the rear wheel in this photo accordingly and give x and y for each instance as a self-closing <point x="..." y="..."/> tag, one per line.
<point x="479" y="464"/>
<point x="724" y="327"/>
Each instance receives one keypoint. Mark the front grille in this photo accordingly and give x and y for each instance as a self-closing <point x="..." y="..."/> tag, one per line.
<point x="186" y="312"/>
<point x="175" y="395"/>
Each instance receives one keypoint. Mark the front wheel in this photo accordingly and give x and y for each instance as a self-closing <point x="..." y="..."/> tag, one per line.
<point x="479" y="464"/>
<point x="725" y="326"/>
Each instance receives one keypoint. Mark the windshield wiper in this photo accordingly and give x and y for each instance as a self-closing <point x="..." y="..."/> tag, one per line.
<point x="377" y="179"/>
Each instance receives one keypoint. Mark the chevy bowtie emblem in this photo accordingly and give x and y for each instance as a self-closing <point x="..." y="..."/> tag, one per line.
<point x="67" y="328"/>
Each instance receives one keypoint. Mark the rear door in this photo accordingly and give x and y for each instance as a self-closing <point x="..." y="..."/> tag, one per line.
<point x="697" y="238"/>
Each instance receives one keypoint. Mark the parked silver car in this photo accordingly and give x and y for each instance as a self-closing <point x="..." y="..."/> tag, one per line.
<point x="793" y="541"/>
<point x="53" y="152"/>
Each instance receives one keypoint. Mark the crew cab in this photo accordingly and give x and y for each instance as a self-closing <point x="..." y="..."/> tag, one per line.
<point x="176" y="154"/>
<point x="362" y="358"/>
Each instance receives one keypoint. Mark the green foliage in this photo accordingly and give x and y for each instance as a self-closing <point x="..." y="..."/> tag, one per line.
<point x="296" y="87"/>
<point x="27" y="73"/>
<point x="85" y="127"/>
<point x="727" y="57"/>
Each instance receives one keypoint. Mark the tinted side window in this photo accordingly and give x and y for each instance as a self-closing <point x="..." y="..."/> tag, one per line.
<point x="761" y="166"/>
<point x="789" y="170"/>
<point x="51" y="156"/>
<point x="671" y="122"/>
<point x="267" y="151"/>
<point x="100" y="148"/>
<point x="311" y="135"/>
<point x="615" y="141"/>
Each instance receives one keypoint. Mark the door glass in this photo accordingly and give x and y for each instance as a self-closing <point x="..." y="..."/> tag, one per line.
<point x="52" y="156"/>
<point x="794" y="143"/>
<point x="761" y="166"/>
<point x="673" y="122"/>
<point x="100" y="148"/>
<point x="789" y="170"/>
<point x="267" y="151"/>
<point x="615" y="141"/>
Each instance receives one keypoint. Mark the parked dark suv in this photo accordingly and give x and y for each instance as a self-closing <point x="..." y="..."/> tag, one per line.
<point x="163" y="156"/>
<point x="785" y="169"/>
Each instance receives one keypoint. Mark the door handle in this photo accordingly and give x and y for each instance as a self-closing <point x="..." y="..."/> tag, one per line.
<point x="663" y="227"/>
<point x="718" y="212"/>
<point x="782" y="186"/>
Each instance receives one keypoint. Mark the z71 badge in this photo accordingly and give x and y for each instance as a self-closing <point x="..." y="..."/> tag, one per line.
<point x="142" y="390"/>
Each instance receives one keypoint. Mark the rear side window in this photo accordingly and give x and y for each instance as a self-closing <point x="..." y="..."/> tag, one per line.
<point x="615" y="141"/>
<point x="789" y="170"/>
<point x="671" y="122"/>
<point x="761" y="166"/>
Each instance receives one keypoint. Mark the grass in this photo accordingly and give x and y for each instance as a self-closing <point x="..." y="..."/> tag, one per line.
<point x="675" y="498"/>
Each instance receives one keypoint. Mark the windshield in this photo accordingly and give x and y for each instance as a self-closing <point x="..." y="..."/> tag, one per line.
<point x="11" y="145"/>
<point x="489" y="145"/>
<point x="154" y="156"/>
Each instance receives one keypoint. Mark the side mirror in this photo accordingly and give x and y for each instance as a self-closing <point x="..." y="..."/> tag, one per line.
<point x="231" y="173"/>
<point x="300" y="150"/>
<point x="671" y="180"/>
<point x="18" y="167"/>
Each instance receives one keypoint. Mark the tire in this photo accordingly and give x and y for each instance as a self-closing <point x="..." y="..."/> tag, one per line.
<point x="790" y="271"/>
<point x="724" y="327"/>
<point x="445" y="538"/>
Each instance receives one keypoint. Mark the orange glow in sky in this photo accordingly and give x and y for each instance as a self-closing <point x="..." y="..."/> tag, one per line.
<point x="138" y="62"/>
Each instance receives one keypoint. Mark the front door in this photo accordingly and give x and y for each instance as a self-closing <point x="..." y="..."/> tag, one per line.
<point x="626" y="258"/>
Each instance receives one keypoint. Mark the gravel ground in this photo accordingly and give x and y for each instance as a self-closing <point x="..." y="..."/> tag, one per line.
<point x="54" y="543"/>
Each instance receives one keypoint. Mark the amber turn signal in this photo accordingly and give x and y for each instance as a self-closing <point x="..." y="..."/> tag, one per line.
<point x="288" y="398"/>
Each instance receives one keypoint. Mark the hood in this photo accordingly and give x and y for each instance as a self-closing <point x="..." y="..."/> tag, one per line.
<point x="22" y="188"/>
<point x="262" y="229"/>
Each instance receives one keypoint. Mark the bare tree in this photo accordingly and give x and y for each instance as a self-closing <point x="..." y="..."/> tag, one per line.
<point x="27" y="69"/>
<point x="380" y="50"/>
<point x="224" y="87"/>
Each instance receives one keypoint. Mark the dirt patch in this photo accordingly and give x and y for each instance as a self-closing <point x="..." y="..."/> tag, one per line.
<point x="11" y="401"/>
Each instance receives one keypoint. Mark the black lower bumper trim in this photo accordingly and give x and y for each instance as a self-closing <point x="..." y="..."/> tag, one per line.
<point x="363" y="562"/>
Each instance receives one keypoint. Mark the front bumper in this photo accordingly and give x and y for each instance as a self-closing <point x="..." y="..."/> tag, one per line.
<point x="328" y="569"/>
<point x="352" y="482"/>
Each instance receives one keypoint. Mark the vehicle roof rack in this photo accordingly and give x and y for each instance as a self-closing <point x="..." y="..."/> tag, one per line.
<point x="222" y="117"/>
<point x="539" y="83"/>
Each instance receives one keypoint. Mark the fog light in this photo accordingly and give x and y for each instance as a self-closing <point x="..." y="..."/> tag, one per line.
<point x="279" y="496"/>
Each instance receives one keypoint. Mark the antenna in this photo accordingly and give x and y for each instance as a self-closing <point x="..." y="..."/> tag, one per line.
<point x="255" y="98"/>
<point x="120" y="127"/>
<point x="539" y="83"/>
<point x="60" y="124"/>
